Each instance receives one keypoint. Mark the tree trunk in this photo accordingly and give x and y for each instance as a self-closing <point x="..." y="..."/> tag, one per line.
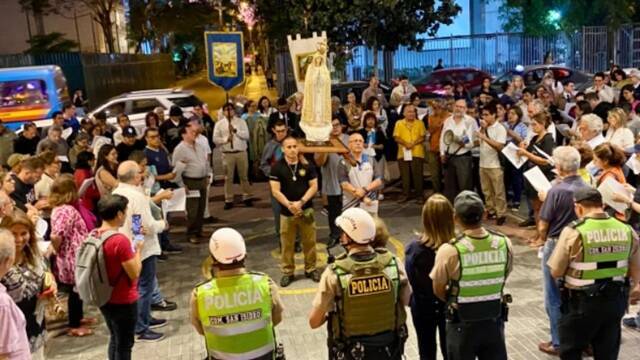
<point x="38" y="18"/>
<point x="107" y="30"/>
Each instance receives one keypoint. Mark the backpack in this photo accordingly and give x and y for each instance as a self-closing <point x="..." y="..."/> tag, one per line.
<point x="92" y="280"/>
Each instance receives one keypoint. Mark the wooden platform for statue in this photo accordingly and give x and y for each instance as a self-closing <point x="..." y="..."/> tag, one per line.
<point x="329" y="146"/>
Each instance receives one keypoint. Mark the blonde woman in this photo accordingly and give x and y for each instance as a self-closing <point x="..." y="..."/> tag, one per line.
<point x="427" y="310"/>
<point x="618" y="133"/>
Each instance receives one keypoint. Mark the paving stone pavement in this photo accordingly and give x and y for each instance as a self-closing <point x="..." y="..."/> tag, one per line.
<point x="526" y="327"/>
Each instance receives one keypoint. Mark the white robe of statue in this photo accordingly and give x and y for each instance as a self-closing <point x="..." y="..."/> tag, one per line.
<point x="316" y="105"/>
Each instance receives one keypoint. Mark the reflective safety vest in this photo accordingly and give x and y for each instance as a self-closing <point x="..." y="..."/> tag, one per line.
<point x="367" y="303"/>
<point x="483" y="269"/>
<point x="606" y="247"/>
<point x="235" y="313"/>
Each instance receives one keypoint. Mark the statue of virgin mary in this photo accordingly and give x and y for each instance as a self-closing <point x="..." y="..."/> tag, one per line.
<point x="316" y="106"/>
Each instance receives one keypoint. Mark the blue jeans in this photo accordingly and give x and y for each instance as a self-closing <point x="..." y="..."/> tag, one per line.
<point x="145" y="292"/>
<point x="551" y="290"/>
<point x="276" y="206"/>
<point x="156" y="296"/>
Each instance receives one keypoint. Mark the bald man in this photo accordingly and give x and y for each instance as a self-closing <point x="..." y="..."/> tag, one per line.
<point x="130" y="179"/>
<point x="13" y="337"/>
<point x="361" y="179"/>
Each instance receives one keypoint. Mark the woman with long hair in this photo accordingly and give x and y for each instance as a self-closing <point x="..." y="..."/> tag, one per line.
<point x="29" y="282"/>
<point x="373" y="105"/>
<point x="373" y="135"/>
<point x="84" y="170"/>
<point x="264" y="107"/>
<point x="610" y="159"/>
<point x="68" y="231"/>
<point x="618" y="133"/>
<point x="427" y="310"/>
<point x="514" y="178"/>
<point x="627" y="96"/>
<point x="107" y="169"/>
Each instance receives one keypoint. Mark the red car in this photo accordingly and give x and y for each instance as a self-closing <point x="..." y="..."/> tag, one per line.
<point x="432" y="85"/>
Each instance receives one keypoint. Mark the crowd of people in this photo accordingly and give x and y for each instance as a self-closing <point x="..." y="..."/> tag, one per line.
<point x="75" y="181"/>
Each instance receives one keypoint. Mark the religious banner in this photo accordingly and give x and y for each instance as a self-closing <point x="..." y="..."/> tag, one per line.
<point x="225" y="58"/>
<point x="302" y="52"/>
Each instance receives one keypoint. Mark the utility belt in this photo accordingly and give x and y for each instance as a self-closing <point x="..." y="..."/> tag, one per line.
<point x="277" y="354"/>
<point x="456" y="315"/>
<point x="193" y="178"/>
<point x="385" y="345"/>
<point x="602" y="290"/>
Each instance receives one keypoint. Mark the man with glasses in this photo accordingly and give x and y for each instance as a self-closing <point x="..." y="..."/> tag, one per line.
<point x="604" y="92"/>
<point x="456" y="155"/>
<point x="231" y="135"/>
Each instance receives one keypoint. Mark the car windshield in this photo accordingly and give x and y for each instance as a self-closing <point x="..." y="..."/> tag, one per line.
<point x="23" y="93"/>
<point x="504" y="77"/>
<point x="186" y="101"/>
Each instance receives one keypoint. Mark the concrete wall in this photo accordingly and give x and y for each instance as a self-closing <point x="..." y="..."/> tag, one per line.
<point x="14" y="22"/>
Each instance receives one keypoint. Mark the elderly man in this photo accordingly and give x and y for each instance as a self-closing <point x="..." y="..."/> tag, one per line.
<point x="374" y="91"/>
<point x="54" y="141"/>
<point x="410" y="134"/>
<point x="130" y="180"/>
<point x="556" y="213"/>
<point x="196" y="168"/>
<point x="457" y="155"/>
<point x="361" y="180"/>
<point x="402" y="92"/>
<point x="231" y="135"/>
<point x="13" y="337"/>
<point x="590" y="130"/>
<point x="604" y="91"/>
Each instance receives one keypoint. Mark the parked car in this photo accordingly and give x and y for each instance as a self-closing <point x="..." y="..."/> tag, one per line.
<point x="533" y="75"/>
<point x="31" y="93"/>
<point x="136" y="104"/>
<point x="342" y="89"/>
<point x="432" y="85"/>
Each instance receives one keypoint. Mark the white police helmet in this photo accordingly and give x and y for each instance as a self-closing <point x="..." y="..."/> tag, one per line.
<point x="358" y="225"/>
<point x="227" y="245"/>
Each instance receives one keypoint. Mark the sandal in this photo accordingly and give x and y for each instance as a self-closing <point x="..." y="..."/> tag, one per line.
<point x="79" y="332"/>
<point x="88" y="321"/>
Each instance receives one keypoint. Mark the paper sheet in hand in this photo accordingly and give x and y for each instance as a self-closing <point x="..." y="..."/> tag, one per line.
<point x="407" y="155"/>
<point x="66" y="133"/>
<point x="609" y="187"/>
<point x="177" y="203"/>
<point x="41" y="228"/>
<point x="511" y="152"/>
<point x="85" y="185"/>
<point x="44" y="246"/>
<point x="537" y="179"/>
<point x="63" y="158"/>
<point x="634" y="164"/>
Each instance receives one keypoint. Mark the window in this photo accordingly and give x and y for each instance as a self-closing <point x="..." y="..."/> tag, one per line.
<point x="186" y="101"/>
<point x="143" y="106"/>
<point x="24" y="93"/>
<point x="115" y="109"/>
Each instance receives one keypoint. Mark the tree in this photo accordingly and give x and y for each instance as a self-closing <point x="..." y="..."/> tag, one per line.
<point x="50" y="43"/>
<point x="39" y="8"/>
<point x="547" y="17"/>
<point x="101" y="12"/>
<point x="380" y="24"/>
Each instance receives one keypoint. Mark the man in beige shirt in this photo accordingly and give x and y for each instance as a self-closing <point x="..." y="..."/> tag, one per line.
<point x="595" y="257"/>
<point x="361" y="304"/>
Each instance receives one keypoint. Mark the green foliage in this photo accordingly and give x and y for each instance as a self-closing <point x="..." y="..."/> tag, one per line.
<point x="50" y="43"/>
<point x="532" y="16"/>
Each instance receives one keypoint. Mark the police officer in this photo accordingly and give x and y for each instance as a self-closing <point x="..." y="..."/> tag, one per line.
<point x="469" y="275"/>
<point x="593" y="260"/>
<point x="236" y="310"/>
<point x="364" y="293"/>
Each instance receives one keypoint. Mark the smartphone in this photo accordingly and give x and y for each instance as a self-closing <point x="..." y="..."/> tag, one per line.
<point x="136" y="227"/>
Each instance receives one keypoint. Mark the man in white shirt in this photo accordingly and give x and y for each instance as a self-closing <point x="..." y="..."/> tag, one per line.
<point x="231" y="134"/>
<point x="130" y="181"/>
<point x="401" y="93"/>
<point x="605" y="92"/>
<point x="196" y="125"/>
<point x="590" y="130"/>
<point x="492" y="136"/>
<point x="360" y="181"/>
<point x="457" y="155"/>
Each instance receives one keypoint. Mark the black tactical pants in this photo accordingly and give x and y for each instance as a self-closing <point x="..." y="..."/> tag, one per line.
<point x="592" y="320"/>
<point x="483" y="340"/>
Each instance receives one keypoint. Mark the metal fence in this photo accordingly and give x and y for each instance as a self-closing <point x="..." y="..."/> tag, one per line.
<point x="587" y="50"/>
<point x="102" y="76"/>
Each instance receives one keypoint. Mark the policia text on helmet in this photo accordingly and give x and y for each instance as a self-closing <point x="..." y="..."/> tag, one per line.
<point x="362" y="295"/>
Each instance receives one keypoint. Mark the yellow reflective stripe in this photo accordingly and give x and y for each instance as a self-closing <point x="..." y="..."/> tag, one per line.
<point x="242" y="356"/>
<point x="474" y="299"/>
<point x="577" y="265"/>
<point x="237" y="329"/>
<point x="484" y="269"/>
<point x="484" y="282"/>
<point x="580" y="282"/>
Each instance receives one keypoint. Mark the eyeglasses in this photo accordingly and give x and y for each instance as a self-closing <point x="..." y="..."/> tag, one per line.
<point x="153" y="136"/>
